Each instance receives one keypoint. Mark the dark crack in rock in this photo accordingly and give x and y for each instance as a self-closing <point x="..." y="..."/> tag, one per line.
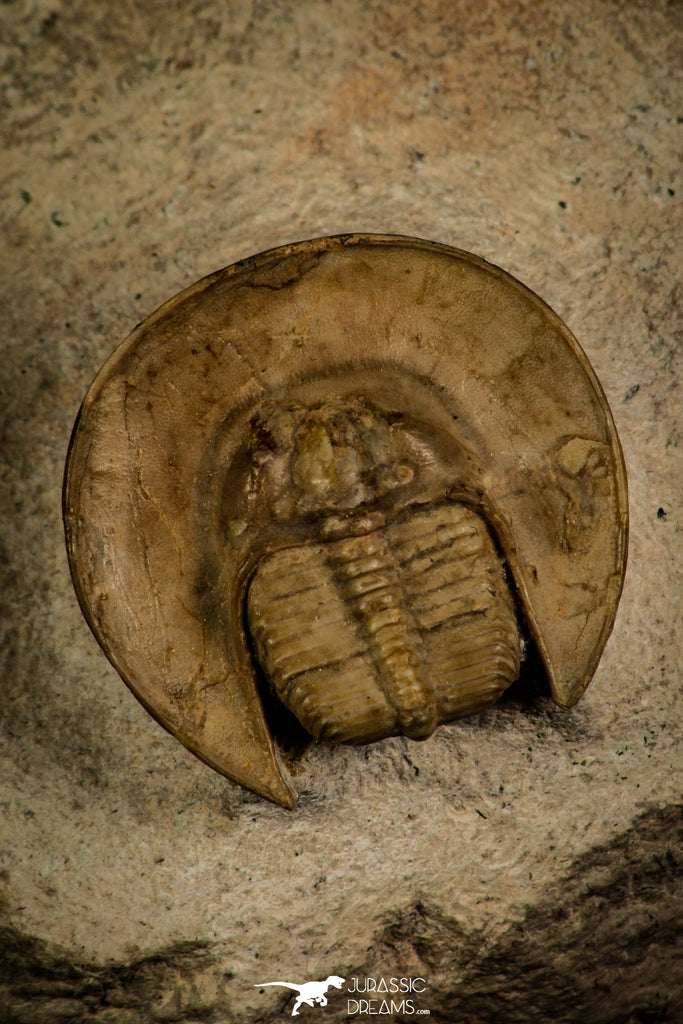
<point x="43" y="985"/>
<point x="605" y="947"/>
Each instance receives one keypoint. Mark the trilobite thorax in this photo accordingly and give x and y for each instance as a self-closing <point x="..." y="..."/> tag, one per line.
<point x="387" y="611"/>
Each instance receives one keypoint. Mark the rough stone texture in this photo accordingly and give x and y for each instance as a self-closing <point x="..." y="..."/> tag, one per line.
<point x="522" y="862"/>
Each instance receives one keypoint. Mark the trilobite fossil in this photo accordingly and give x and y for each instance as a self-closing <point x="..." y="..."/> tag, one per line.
<point x="392" y="613"/>
<point x="351" y="479"/>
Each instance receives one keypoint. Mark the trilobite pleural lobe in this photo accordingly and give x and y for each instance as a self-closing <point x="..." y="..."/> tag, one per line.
<point x="389" y="611"/>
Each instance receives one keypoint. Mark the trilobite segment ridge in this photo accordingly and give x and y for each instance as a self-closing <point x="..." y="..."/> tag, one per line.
<point x="389" y="632"/>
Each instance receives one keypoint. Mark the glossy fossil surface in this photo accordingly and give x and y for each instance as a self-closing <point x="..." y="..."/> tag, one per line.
<point x="220" y="465"/>
<point x="389" y="613"/>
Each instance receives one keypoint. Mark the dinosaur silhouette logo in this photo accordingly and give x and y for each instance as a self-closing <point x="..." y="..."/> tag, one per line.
<point x="310" y="993"/>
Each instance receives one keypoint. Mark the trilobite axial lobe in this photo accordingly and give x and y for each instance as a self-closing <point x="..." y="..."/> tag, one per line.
<point x="390" y="612"/>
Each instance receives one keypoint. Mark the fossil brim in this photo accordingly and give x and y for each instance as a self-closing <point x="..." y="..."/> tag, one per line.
<point x="518" y="386"/>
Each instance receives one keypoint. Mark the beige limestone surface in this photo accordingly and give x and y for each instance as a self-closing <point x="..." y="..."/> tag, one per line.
<point x="526" y="862"/>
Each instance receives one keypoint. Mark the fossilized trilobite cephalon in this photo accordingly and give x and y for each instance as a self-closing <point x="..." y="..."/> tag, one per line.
<point x="346" y="481"/>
